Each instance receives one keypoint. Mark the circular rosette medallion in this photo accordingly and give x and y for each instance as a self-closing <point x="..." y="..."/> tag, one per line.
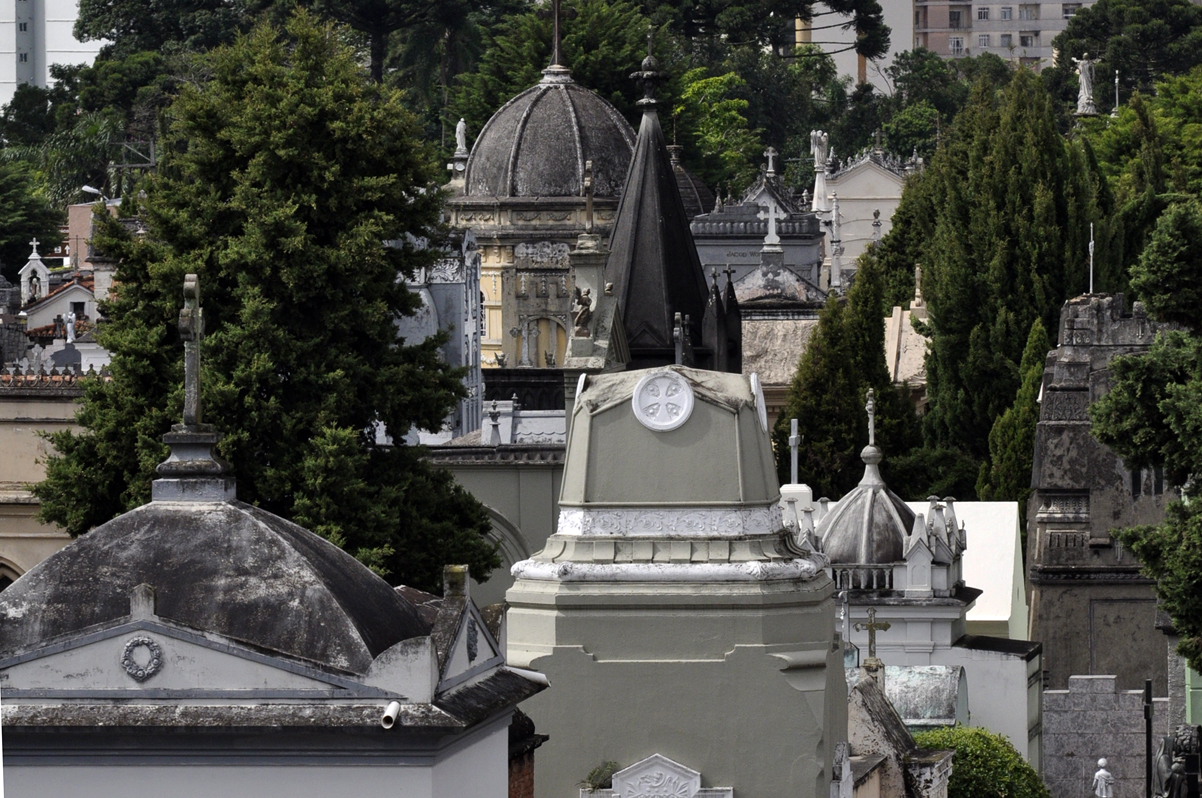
<point x="663" y="400"/>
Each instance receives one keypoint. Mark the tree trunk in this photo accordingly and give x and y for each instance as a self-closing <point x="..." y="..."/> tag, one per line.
<point x="377" y="56"/>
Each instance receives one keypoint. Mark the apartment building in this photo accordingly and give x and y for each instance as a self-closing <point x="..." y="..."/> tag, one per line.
<point x="35" y="34"/>
<point x="1013" y="30"/>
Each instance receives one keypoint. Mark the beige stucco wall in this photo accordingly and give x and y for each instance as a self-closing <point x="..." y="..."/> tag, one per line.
<point x="23" y="415"/>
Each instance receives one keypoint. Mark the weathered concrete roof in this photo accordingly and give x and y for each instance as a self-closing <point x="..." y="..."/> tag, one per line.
<point x="222" y="567"/>
<point x="719" y="455"/>
<point x="870" y="524"/>
<point x="537" y="144"/>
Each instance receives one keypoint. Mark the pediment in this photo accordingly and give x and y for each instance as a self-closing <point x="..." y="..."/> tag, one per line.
<point x="153" y="658"/>
<point x="472" y="652"/>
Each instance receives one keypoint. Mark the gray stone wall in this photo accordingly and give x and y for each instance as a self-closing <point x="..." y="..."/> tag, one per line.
<point x="1094" y="719"/>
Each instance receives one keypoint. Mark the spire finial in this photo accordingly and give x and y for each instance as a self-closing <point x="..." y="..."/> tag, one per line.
<point x="556" y="72"/>
<point x="191" y="330"/>
<point x="555" y="34"/>
<point x="871" y="408"/>
<point x="649" y="75"/>
<point x="192" y="472"/>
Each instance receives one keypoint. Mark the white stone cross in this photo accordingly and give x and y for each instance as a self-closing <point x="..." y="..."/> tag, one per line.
<point x="771" y="154"/>
<point x="34" y="243"/>
<point x="771" y="214"/>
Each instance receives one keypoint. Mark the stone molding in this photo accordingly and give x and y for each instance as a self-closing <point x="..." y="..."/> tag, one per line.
<point x="658" y="776"/>
<point x="756" y="571"/>
<point x="689" y="522"/>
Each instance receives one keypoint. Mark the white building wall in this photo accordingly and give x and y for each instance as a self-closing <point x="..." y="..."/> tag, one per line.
<point x="303" y="779"/>
<point x="35" y="34"/>
<point x="477" y="767"/>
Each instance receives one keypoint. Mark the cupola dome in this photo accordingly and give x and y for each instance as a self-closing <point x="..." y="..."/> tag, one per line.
<point x="870" y="525"/>
<point x="538" y="143"/>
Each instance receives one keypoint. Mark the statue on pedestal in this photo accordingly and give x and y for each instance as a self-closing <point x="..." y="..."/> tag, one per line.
<point x="1085" y="106"/>
<point x="1103" y="782"/>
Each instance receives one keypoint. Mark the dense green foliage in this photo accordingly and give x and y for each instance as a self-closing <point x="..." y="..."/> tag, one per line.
<point x="24" y="215"/>
<point x="1143" y="39"/>
<point x="844" y="357"/>
<point x="1006" y="475"/>
<point x="283" y="174"/>
<point x="1000" y="225"/>
<point x="986" y="764"/>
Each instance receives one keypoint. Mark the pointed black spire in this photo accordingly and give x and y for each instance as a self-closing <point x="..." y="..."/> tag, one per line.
<point x="653" y="261"/>
<point x="734" y="327"/>
<point x="713" y="327"/>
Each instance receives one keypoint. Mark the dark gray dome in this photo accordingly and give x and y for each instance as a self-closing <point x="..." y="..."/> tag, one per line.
<point x="223" y="567"/>
<point x="538" y="143"/>
<point x="869" y="525"/>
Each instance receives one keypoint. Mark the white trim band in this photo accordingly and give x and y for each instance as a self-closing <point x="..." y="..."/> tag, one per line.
<point x="685" y="522"/>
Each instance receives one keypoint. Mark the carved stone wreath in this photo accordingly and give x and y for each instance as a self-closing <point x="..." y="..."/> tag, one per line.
<point x="142" y="672"/>
<point x="662" y="401"/>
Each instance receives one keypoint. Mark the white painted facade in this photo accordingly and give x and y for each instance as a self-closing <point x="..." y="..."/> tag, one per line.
<point x="35" y="34"/>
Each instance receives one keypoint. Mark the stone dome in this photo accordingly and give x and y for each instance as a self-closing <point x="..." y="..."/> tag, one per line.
<point x="221" y="567"/>
<point x="537" y="144"/>
<point x="869" y="525"/>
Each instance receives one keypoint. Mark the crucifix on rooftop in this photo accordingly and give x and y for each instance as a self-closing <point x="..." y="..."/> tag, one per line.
<point x="555" y="33"/>
<point x="771" y="154"/>
<point x="771" y="214"/>
<point x="872" y="627"/>
<point x="191" y="330"/>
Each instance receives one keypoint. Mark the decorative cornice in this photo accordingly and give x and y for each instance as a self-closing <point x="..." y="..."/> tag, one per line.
<point x="1052" y="574"/>
<point x="689" y="522"/>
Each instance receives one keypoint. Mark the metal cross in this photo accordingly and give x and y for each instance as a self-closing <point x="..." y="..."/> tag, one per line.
<point x="770" y="154"/>
<point x="191" y="330"/>
<point x="872" y="627"/>
<point x="772" y="214"/>
<point x="871" y="408"/>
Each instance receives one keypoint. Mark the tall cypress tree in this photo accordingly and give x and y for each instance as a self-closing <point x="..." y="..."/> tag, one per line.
<point x="844" y="357"/>
<point x="1012" y="201"/>
<point x="282" y="178"/>
<point x="1006" y="476"/>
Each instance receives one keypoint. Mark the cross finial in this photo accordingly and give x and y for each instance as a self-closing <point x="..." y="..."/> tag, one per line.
<point x="794" y="442"/>
<point x="770" y="154"/>
<point x="872" y="627"/>
<point x="648" y="75"/>
<point x="555" y="33"/>
<point x="871" y="408"/>
<point x="588" y="196"/>
<point x="34" y="243"/>
<point x="771" y="214"/>
<point x="191" y="330"/>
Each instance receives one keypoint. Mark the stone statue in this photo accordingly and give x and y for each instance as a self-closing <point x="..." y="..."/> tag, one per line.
<point x="461" y="136"/>
<point x="70" y="326"/>
<point x="1103" y="782"/>
<point x="584" y="301"/>
<point x="1085" y="78"/>
<point x="1162" y="767"/>
<point x="820" y="149"/>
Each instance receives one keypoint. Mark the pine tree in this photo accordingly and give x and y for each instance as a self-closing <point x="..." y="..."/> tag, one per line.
<point x="283" y="175"/>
